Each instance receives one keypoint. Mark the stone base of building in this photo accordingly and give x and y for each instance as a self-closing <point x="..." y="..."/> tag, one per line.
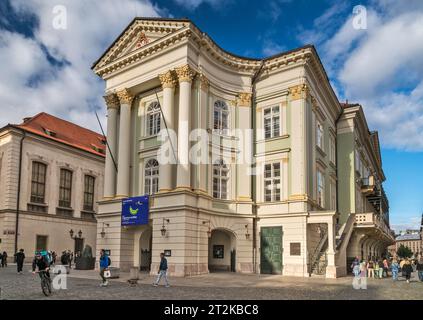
<point x="295" y="270"/>
<point x="182" y="270"/>
<point x="333" y="272"/>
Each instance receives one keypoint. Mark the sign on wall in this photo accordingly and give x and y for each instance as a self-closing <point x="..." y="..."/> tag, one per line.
<point x="135" y="211"/>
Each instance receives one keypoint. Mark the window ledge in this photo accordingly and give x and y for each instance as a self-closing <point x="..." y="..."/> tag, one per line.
<point x="321" y="151"/>
<point x="149" y="137"/>
<point x="284" y="136"/>
<point x="64" y="208"/>
<point x="332" y="164"/>
<point x="38" y="204"/>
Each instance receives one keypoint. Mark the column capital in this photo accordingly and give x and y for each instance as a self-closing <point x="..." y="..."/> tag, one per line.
<point x="296" y="92"/>
<point x="125" y="97"/>
<point x="244" y="99"/>
<point x="204" y="82"/>
<point x="185" y="73"/>
<point x="168" y="80"/>
<point x="112" y="101"/>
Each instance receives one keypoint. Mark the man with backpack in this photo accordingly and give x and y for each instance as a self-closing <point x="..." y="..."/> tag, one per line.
<point x="104" y="266"/>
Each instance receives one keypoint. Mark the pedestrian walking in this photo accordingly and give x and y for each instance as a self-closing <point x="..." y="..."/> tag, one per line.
<point x="20" y="257"/>
<point x="370" y="269"/>
<point x="1" y="259"/>
<point x="4" y="259"/>
<point x="394" y="269"/>
<point x="162" y="271"/>
<point x="363" y="268"/>
<point x="385" y="267"/>
<point x="407" y="269"/>
<point x="419" y="269"/>
<point x="104" y="266"/>
<point x="355" y="266"/>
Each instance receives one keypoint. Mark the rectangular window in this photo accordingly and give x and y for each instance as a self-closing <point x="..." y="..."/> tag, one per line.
<point x="41" y="243"/>
<point x="332" y="147"/>
<point x="320" y="188"/>
<point x="319" y="135"/>
<point x="65" y="189"/>
<point x="272" y="182"/>
<point x="271" y="122"/>
<point x="38" y="182"/>
<point x="89" y="183"/>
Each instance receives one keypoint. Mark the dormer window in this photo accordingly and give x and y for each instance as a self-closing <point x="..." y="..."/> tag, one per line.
<point x="49" y="132"/>
<point x="97" y="149"/>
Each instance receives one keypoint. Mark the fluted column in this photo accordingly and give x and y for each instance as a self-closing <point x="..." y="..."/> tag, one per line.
<point x="165" y="172"/>
<point x="125" y="98"/>
<point x="185" y="76"/>
<point x="112" y="103"/>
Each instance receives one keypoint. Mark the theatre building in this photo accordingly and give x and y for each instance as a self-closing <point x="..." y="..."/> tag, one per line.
<point x="51" y="176"/>
<point x="263" y="201"/>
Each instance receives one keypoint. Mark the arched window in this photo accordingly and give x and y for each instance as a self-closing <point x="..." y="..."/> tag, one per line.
<point x="220" y="116"/>
<point x="153" y="119"/>
<point x="220" y="180"/>
<point x="151" y="181"/>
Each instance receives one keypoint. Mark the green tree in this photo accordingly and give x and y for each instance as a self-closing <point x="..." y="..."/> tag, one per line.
<point x="404" y="252"/>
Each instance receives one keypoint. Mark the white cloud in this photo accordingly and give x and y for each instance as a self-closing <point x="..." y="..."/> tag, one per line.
<point x="193" y="4"/>
<point x="30" y="83"/>
<point x="380" y="67"/>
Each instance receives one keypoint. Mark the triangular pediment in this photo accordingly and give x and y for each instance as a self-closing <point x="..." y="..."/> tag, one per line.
<point x="140" y="33"/>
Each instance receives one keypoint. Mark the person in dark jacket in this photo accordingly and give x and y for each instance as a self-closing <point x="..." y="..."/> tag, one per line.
<point x="162" y="271"/>
<point x="4" y="259"/>
<point x="419" y="269"/>
<point x="407" y="270"/>
<point x="104" y="265"/>
<point x="20" y="257"/>
<point x="42" y="264"/>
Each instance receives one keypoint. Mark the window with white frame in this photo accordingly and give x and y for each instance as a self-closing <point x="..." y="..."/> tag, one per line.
<point x="153" y="119"/>
<point x="272" y="182"/>
<point x="271" y="122"/>
<point x="220" y="116"/>
<point x="151" y="177"/>
<point x="220" y="179"/>
<point x="332" y="149"/>
<point x="320" y="188"/>
<point x="319" y="135"/>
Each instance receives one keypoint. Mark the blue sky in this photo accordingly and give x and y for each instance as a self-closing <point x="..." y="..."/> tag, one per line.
<point x="44" y="69"/>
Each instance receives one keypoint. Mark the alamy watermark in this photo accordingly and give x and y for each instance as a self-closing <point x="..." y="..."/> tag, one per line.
<point x="359" y="20"/>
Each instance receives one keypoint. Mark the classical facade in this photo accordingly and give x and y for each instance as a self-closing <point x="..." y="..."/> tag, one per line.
<point x="263" y="199"/>
<point x="362" y="199"/>
<point x="51" y="176"/>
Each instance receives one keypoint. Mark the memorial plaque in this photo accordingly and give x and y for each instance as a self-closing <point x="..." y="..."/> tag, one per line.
<point x="295" y="249"/>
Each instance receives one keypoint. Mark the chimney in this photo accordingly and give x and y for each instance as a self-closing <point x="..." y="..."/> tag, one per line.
<point x="25" y="120"/>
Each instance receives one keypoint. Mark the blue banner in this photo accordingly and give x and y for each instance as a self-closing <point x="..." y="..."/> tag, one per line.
<point x="135" y="211"/>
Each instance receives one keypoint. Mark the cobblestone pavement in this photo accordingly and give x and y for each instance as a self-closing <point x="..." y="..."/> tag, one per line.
<point x="220" y="286"/>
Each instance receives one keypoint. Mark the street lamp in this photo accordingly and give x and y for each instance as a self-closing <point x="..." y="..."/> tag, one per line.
<point x="71" y="233"/>
<point x="163" y="229"/>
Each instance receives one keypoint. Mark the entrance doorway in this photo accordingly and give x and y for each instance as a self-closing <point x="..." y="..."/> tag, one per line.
<point x="222" y="251"/>
<point x="271" y="250"/>
<point x="145" y="249"/>
<point x="79" y="245"/>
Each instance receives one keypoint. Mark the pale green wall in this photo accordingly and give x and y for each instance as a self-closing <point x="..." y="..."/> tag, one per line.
<point x="346" y="184"/>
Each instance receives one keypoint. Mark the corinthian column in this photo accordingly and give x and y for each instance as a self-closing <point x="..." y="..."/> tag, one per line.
<point x="185" y="76"/>
<point x="112" y="103"/>
<point x="125" y="98"/>
<point x="165" y="173"/>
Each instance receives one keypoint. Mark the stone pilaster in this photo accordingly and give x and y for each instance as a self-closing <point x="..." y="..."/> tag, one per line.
<point x="125" y="98"/>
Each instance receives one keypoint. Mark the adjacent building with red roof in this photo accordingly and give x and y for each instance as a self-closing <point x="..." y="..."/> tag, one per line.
<point x="51" y="177"/>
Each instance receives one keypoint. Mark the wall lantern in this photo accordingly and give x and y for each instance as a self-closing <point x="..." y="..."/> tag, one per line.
<point x="163" y="229"/>
<point x="209" y="229"/>
<point x="247" y="234"/>
<point x="103" y="232"/>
